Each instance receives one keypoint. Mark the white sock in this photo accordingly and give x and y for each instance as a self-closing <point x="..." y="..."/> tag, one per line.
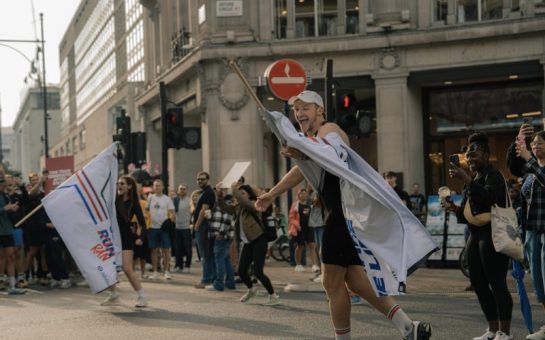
<point x="400" y="319"/>
<point x="342" y="333"/>
<point x="140" y="293"/>
<point x="12" y="282"/>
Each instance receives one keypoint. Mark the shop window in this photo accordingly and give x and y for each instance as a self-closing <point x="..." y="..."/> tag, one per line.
<point x="440" y="10"/>
<point x="352" y="16"/>
<point x="494" y="108"/>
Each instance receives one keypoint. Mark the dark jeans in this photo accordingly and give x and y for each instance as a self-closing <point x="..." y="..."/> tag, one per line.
<point x="255" y="252"/>
<point x="183" y="248"/>
<point x="54" y="249"/>
<point x="488" y="275"/>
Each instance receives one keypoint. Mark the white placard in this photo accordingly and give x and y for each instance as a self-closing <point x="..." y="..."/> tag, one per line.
<point x="202" y="14"/>
<point x="234" y="174"/>
<point x="231" y="8"/>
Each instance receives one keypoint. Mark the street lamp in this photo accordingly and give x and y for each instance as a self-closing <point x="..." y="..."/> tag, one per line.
<point x="33" y="70"/>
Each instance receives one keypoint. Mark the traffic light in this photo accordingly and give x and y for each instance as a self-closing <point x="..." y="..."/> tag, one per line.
<point x="346" y="111"/>
<point x="352" y="116"/>
<point x="174" y="123"/>
<point x="123" y="135"/>
<point x="192" y="138"/>
<point x="138" y="155"/>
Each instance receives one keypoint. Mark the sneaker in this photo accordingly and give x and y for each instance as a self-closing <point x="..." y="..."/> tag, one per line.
<point x="318" y="279"/>
<point x="167" y="275"/>
<point x="486" y="336"/>
<point x="273" y="300"/>
<point x="110" y="299"/>
<point x="212" y="288"/>
<point x="315" y="268"/>
<point x="177" y="270"/>
<point x="200" y="285"/>
<point x="44" y="282"/>
<point x="148" y="266"/>
<point x="356" y="300"/>
<point x="185" y="270"/>
<point x="539" y="335"/>
<point x="251" y="293"/>
<point x="22" y="283"/>
<point x="141" y="302"/>
<point x="54" y="284"/>
<point x="65" y="284"/>
<point x="502" y="336"/>
<point x="299" y="268"/>
<point x="154" y="276"/>
<point x="421" y="331"/>
<point x="16" y="291"/>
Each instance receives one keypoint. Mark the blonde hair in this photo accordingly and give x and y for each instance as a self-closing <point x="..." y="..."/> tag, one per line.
<point x="193" y="201"/>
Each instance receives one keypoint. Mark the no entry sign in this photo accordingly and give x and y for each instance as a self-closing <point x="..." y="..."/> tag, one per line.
<point x="286" y="78"/>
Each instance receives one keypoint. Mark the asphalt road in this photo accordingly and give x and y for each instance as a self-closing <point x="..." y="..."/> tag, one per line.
<point x="177" y="310"/>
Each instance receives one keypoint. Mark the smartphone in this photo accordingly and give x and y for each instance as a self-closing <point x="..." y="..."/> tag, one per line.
<point x="454" y="159"/>
<point x="527" y="121"/>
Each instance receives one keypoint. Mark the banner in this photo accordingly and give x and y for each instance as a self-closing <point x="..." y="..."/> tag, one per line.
<point x="389" y="239"/>
<point x="60" y="169"/>
<point x="82" y="209"/>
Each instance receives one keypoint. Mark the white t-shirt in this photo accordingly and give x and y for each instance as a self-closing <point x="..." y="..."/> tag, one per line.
<point x="158" y="207"/>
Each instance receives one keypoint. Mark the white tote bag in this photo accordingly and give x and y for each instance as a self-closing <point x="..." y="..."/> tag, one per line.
<point x="505" y="233"/>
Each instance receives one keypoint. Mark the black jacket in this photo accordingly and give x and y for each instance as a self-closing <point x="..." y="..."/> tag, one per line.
<point x="485" y="190"/>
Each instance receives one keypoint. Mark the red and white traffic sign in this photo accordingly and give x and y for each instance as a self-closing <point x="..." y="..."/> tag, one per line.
<point x="286" y="78"/>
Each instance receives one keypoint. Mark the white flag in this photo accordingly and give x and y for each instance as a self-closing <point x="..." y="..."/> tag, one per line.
<point x="390" y="240"/>
<point x="82" y="209"/>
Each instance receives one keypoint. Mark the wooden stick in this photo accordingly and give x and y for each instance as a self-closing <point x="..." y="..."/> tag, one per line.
<point x="237" y="70"/>
<point x="23" y="220"/>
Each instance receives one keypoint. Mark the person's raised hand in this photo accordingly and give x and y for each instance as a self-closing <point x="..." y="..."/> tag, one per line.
<point x="525" y="131"/>
<point x="287" y="151"/>
<point x="522" y="151"/>
<point x="263" y="201"/>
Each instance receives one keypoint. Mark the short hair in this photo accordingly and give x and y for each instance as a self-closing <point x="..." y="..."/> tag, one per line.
<point x="251" y="193"/>
<point x="204" y="173"/>
<point x="390" y="174"/>
<point x="540" y="134"/>
<point x="480" y="139"/>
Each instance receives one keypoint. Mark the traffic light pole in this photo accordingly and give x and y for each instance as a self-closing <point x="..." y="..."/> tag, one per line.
<point x="164" y="148"/>
<point x="330" y="116"/>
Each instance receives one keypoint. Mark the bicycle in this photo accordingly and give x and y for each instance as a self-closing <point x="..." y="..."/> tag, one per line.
<point x="462" y="260"/>
<point x="280" y="250"/>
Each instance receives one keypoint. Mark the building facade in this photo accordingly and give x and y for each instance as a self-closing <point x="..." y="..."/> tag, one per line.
<point x="102" y="69"/>
<point x="423" y="73"/>
<point x="28" y="128"/>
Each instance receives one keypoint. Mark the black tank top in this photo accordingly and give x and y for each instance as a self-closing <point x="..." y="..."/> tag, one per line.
<point x="330" y="194"/>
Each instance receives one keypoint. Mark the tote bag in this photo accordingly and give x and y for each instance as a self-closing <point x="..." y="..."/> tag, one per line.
<point x="505" y="234"/>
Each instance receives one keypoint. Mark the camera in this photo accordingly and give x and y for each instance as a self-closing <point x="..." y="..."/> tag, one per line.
<point x="454" y="159"/>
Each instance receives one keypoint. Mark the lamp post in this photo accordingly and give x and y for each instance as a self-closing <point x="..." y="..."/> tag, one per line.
<point x="44" y="87"/>
<point x="42" y="82"/>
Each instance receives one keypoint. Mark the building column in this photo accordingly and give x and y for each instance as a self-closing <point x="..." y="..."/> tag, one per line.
<point x="399" y="127"/>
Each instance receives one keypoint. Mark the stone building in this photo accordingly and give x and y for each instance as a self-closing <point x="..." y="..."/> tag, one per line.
<point x="102" y="69"/>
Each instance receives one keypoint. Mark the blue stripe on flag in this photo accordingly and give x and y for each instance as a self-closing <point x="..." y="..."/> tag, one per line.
<point x="83" y="199"/>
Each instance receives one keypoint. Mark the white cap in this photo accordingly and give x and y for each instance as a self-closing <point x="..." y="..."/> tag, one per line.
<point x="307" y="97"/>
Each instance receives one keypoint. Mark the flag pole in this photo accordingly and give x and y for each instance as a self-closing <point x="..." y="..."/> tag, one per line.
<point x="23" y="220"/>
<point x="238" y="72"/>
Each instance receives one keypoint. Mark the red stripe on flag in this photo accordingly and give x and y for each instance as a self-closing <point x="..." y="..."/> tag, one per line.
<point x="89" y="197"/>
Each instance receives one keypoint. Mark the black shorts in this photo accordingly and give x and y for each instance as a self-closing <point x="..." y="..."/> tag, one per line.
<point x="127" y="239"/>
<point x="7" y="241"/>
<point x="337" y="245"/>
<point x="305" y="235"/>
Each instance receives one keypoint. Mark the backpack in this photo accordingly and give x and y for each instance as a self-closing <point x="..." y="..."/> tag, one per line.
<point x="266" y="222"/>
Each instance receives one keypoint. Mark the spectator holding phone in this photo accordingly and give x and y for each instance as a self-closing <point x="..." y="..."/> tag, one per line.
<point x="487" y="268"/>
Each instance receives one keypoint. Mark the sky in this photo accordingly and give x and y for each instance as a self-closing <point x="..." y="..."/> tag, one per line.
<point x="18" y="22"/>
